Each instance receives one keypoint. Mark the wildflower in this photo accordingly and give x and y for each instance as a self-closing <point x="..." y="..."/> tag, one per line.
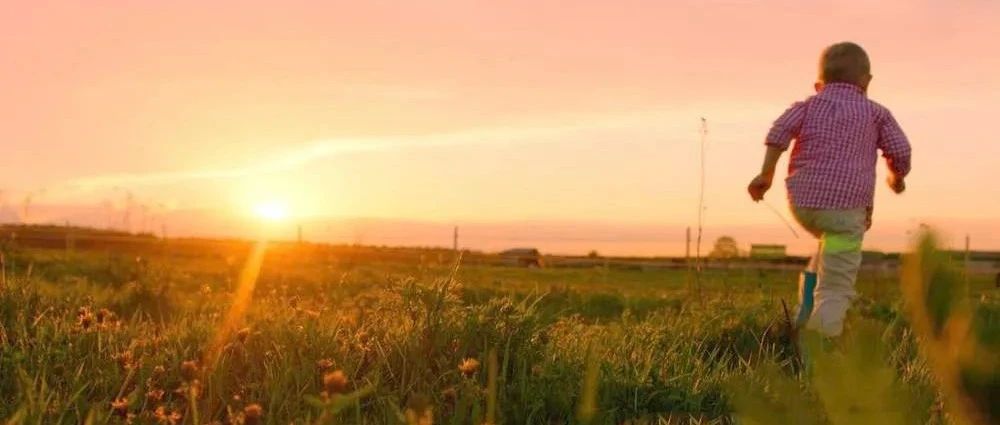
<point x="324" y="365"/>
<point x="154" y="396"/>
<point x="105" y="315"/>
<point x="164" y="417"/>
<point x="335" y="382"/>
<point x="364" y="342"/>
<point x="119" y="408"/>
<point x="84" y="318"/>
<point x="159" y="371"/>
<point x="253" y="414"/>
<point x="189" y="370"/>
<point x="189" y="390"/>
<point x="125" y="360"/>
<point x="469" y="367"/>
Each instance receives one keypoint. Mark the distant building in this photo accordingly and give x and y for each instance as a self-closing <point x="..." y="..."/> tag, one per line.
<point x="979" y="261"/>
<point x="767" y="252"/>
<point x="983" y="256"/>
<point x="523" y="257"/>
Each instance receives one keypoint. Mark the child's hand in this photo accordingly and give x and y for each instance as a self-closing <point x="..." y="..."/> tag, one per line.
<point x="896" y="183"/>
<point x="759" y="186"/>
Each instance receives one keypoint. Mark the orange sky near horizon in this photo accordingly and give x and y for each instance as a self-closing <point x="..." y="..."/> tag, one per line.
<point x="488" y="115"/>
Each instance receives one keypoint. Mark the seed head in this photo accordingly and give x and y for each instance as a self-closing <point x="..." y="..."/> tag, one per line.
<point x="189" y="391"/>
<point x="119" y="408"/>
<point x="324" y="365"/>
<point x="335" y="382"/>
<point x="84" y="318"/>
<point x="154" y="396"/>
<point x="469" y="367"/>
<point x="253" y="414"/>
<point x="164" y="417"/>
<point x="125" y="360"/>
<point x="105" y="315"/>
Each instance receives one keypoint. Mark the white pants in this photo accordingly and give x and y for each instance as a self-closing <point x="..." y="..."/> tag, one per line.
<point x="836" y="263"/>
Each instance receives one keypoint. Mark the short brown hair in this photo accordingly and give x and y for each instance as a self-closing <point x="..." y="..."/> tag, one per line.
<point x="844" y="62"/>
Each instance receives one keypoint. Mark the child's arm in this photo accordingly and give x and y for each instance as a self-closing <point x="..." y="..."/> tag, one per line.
<point x="896" y="150"/>
<point x="760" y="184"/>
<point x="785" y="129"/>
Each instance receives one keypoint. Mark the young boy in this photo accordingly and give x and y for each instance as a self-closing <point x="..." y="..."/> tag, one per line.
<point x="831" y="177"/>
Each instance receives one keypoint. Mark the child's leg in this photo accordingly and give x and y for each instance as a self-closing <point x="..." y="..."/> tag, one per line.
<point x="807" y="288"/>
<point x="840" y="259"/>
<point x="806" y="217"/>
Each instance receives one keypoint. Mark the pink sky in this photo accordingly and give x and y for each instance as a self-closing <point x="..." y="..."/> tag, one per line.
<point x="581" y="120"/>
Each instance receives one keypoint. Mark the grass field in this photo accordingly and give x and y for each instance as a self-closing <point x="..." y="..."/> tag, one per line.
<point x="99" y="336"/>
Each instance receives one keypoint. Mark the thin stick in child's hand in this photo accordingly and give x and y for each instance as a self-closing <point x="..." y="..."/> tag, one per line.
<point x="782" y="217"/>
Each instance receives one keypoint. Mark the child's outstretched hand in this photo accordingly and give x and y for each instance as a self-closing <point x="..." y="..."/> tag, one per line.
<point x="759" y="186"/>
<point x="896" y="183"/>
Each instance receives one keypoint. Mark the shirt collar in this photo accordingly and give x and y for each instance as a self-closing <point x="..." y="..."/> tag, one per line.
<point x="842" y="88"/>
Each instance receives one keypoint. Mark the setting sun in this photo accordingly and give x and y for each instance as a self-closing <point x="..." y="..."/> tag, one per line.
<point x="271" y="211"/>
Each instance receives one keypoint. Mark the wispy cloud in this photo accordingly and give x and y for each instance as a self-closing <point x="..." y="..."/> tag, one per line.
<point x="317" y="150"/>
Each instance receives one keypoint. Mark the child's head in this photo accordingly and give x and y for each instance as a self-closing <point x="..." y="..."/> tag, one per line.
<point x="844" y="63"/>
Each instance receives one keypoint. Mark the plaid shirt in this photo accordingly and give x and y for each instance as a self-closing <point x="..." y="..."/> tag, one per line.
<point x="838" y="132"/>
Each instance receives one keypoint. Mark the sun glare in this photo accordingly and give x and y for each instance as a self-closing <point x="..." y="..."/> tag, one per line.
<point x="271" y="211"/>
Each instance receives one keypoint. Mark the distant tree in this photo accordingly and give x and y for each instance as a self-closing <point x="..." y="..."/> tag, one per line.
<point x="725" y="247"/>
<point x="593" y="254"/>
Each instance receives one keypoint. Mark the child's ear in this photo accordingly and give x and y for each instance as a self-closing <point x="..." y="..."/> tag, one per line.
<point x="865" y="82"/>
<point x="818" y="86"/>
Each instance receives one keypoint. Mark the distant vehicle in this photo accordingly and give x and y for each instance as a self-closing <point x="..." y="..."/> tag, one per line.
<point x="767" y="252"/>
<point x="522" y="257"/>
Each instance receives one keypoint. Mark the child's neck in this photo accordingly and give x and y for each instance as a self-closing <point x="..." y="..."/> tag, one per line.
<point x="819" y="86"/>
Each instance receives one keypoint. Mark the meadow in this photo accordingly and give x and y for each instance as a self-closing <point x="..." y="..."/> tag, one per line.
<point x="174" y="337"/>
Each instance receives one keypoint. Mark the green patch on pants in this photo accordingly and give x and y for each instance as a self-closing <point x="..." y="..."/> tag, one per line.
<point x="836" y="243"/>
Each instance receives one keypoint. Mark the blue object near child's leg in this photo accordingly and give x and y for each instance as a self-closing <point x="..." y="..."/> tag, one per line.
<point x="807" y="286"/>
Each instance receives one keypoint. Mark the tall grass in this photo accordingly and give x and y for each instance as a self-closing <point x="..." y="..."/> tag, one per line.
<point x="869" y="378"/>
<point x="386" y="345"/>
